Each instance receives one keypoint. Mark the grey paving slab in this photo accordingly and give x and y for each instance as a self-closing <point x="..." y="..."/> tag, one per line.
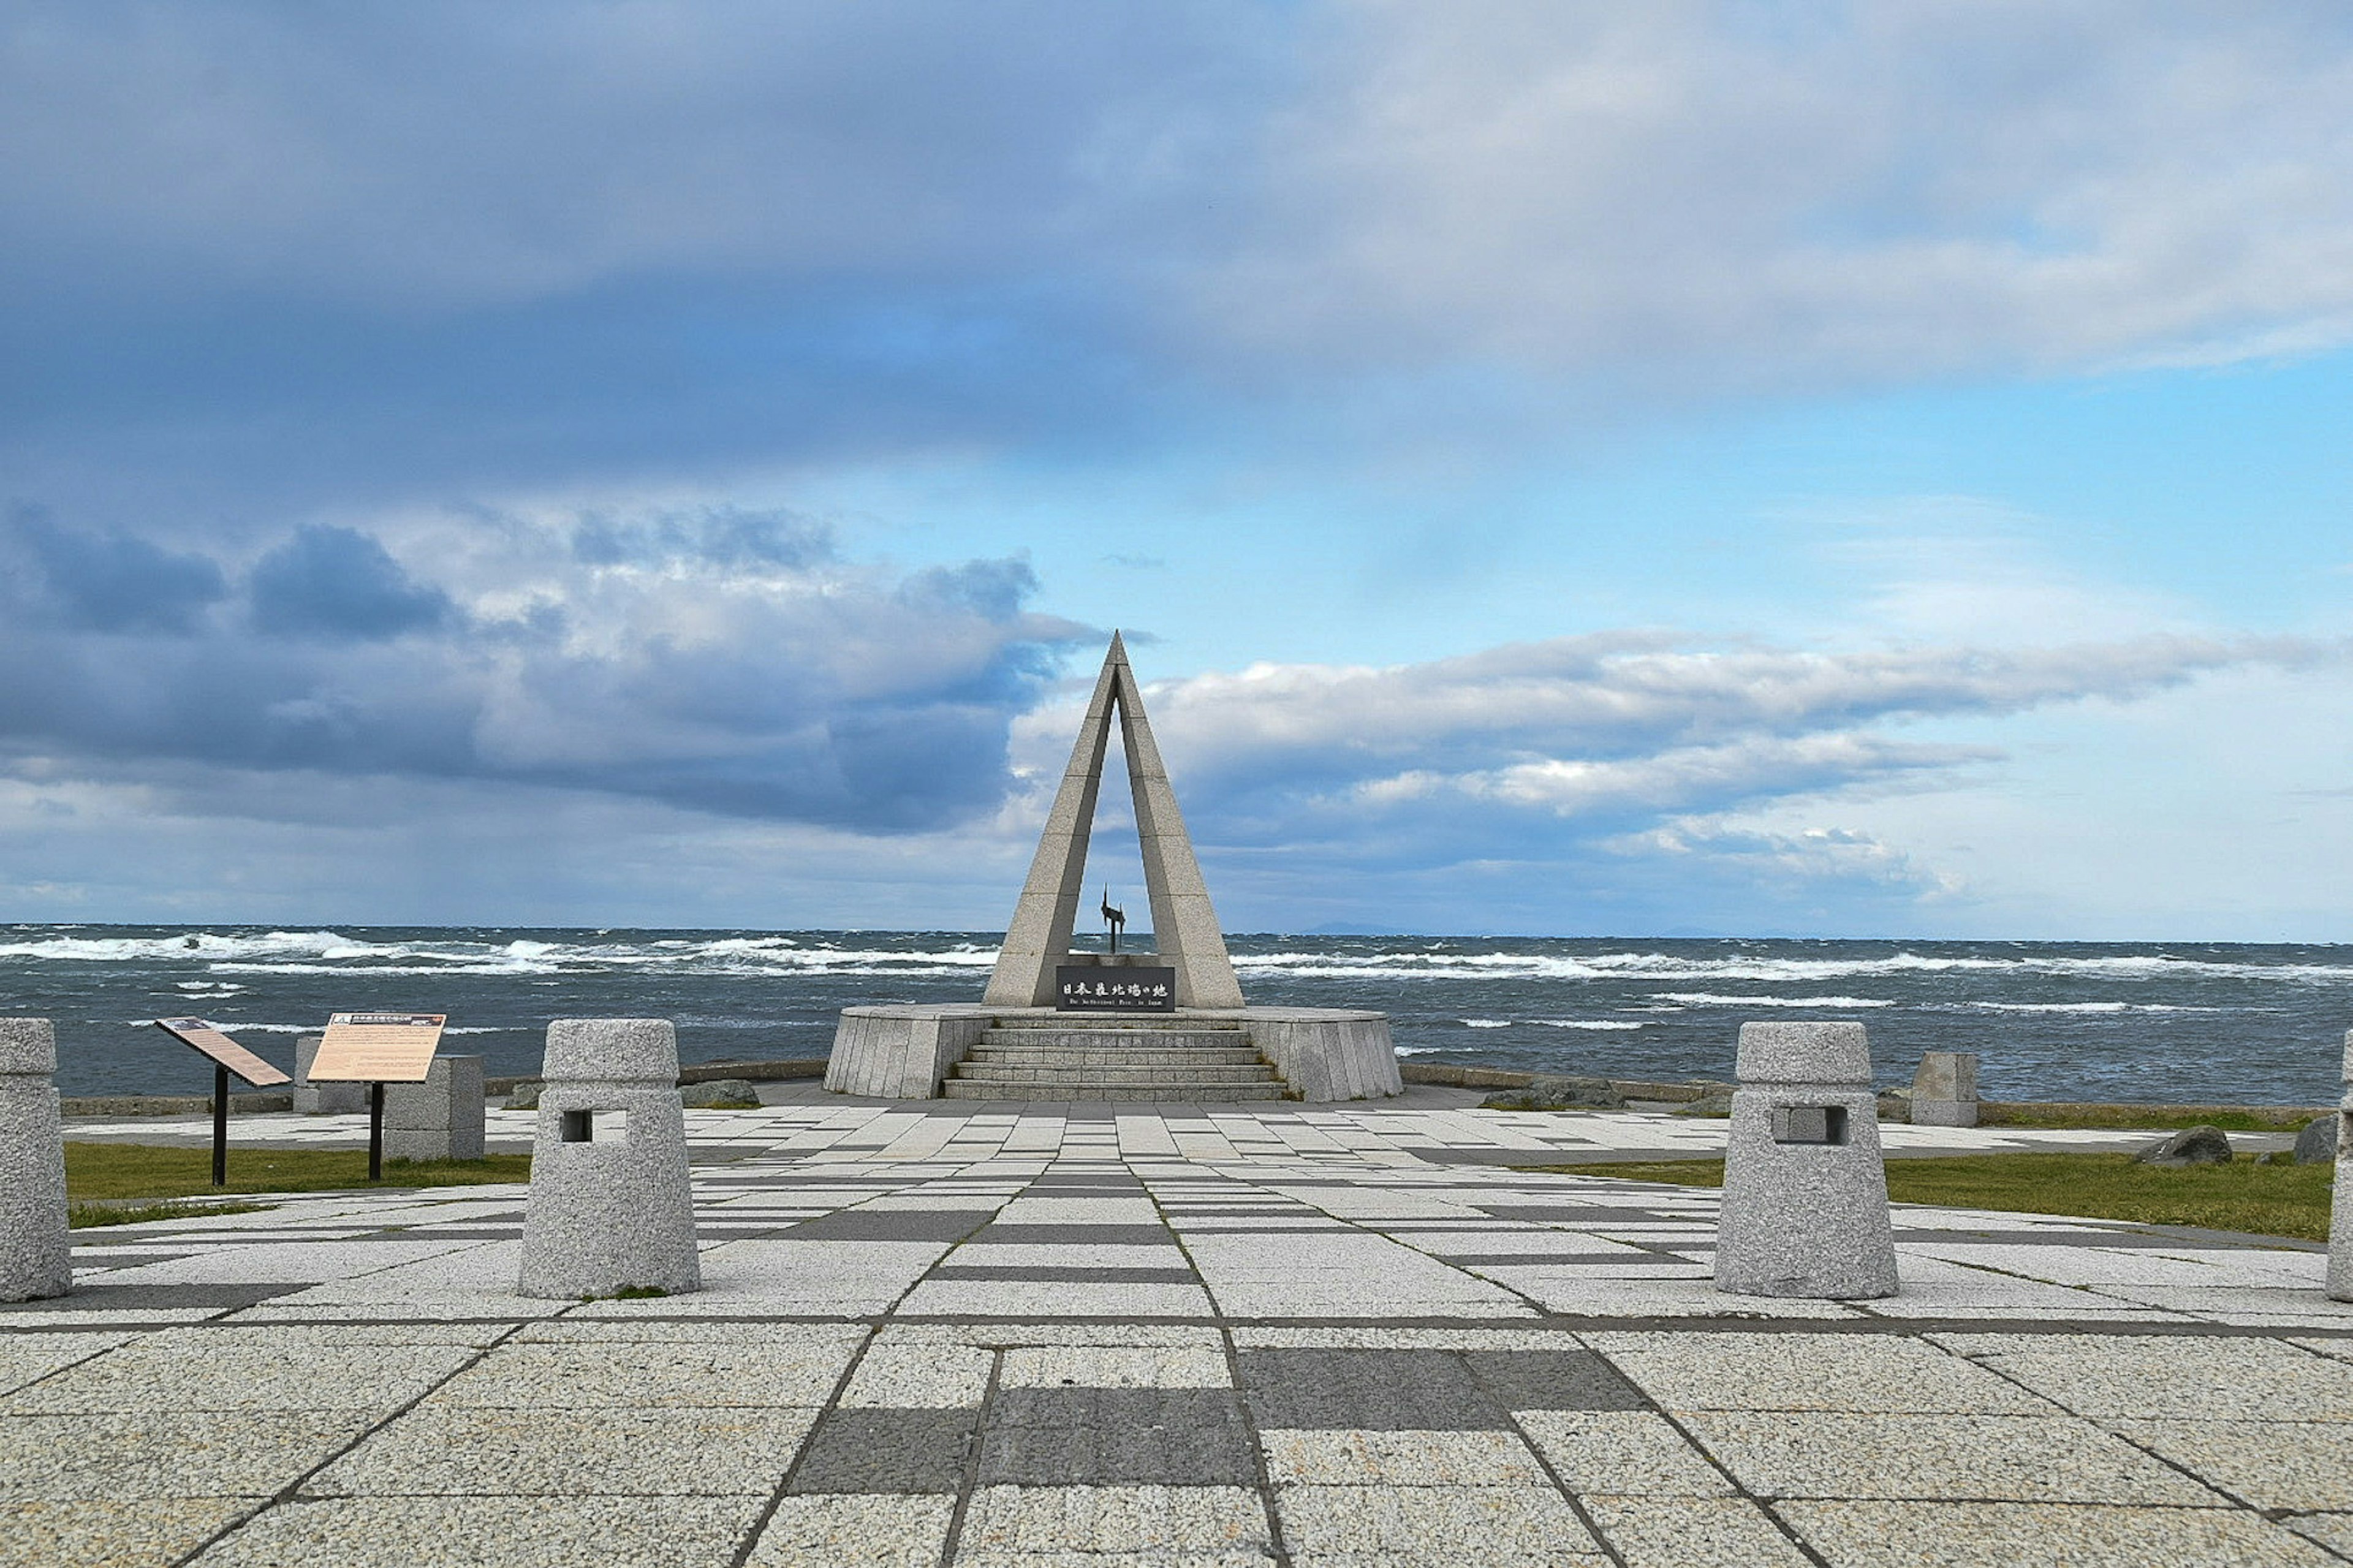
<point x="888" y="1451"/>
<point x="1185" y="1527"/>
<point x="1508" y="1526"/>
<point x="513" y="1531"/>
<point x="1069" y="1436"/>
<point x="1366" y="1390"/>
<point x="240" y="1369"/>
<point x="2169" y="1376"/>
<point x="579" y="1452"/>
<point x="1882" y="1373"/>
<point x="1622" y="1452"/>
<point x="2002" y="1457"/>
<point x="647" y="1376"/>
<point x="852" y="1531"/>
<point x="2306" y="1466"/>
<point x="103" y="1532"/>
<point x="1692" y="1532"/>
<point x="2041" y="1535"/>
<point x="165" y="1453"/>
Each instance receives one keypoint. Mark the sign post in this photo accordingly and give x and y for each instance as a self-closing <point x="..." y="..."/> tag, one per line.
<point x="377" y="1048"/>
<point x="227" y="1056"/>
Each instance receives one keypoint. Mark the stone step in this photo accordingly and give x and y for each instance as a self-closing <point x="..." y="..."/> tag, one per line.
<point x="1119" y="1039"/>
<point x="1138" y="1055"/>
<point x="969" y="1089"/>
<point x="1109" y="1023"/>
<point x="1106" y="1072"/>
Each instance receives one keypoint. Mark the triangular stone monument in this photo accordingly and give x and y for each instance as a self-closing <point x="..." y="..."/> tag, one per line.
<point x="1165" y="1025"/>
<point x="1184" y="925"/>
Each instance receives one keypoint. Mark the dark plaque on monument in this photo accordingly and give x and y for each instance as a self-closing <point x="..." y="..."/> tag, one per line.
<point x="1091" y="988"/>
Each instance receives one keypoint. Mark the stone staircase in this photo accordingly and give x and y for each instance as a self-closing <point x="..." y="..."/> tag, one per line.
<point x="1060" y="1057"/>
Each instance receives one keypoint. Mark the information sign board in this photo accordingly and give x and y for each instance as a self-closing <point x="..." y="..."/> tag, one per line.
<point x="378" y="1048"/>
<point x="222" y="1051"/>
<point x="1093" y="988"/>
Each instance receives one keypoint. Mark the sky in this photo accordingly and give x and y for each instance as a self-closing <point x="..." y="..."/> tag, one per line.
<point x="1560" y="467"/>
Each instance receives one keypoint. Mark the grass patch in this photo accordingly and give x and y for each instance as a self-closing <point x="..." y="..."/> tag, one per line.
<point x="2230" y="1117"/>
<point x="2263" y="1200"/>
<point x="631" y="1293"/>
<point x="103" y="1171"/>
<point x="83" y="1216"/>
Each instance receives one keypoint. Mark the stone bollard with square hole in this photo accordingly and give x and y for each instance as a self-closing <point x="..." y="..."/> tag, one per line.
<point x="1945" y="1090"/>
<point x="1805" y="1193"/>
<point x="441" y="1119"/>
<point x="323" y="1099"/>
<point x="2340" y="1224"/>
<point x="36" y="1255"/>
<point x="610" y="1206"/>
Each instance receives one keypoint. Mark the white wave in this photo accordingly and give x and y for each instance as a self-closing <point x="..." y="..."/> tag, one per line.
<point x="2128" y="968"/>
<point x="1710" y="999"/>
<point x="208" y="987"/>
<point x="1416" y="1050"/>
<point x="2089" y="1007"/>
<point x="155" y="949"/>
<point x="1485" y="1023"/>
<point x="1587" y="1023"/>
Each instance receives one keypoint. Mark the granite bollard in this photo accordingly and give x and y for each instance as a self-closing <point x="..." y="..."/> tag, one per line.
<point x="441" y="1119"/>
<point x="1945" y="1090"/>
<point x="35" y="1254"/>
<point x="2340" y="1223"/>
<point x="323" y="1099"/>
<point x="610" y="1206"/>
<point x="1805" y="1192"/>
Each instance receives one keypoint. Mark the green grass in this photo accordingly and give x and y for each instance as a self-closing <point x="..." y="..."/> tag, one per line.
<point x="81" y="1217"/>
<point x="109" y="1171"/>
<point x="2230" y="1117"/>
<point x="2263" y="1200"/>
<point x="631" y="1293"/>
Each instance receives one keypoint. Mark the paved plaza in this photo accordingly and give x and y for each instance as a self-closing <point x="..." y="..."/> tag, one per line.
<point x="983" y="1334"/>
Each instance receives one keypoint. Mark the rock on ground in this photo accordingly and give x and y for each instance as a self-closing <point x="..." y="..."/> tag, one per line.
<point x="2192" y="1146"/>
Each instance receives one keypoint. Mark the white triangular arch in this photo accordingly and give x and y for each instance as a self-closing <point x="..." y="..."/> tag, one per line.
<point x="1184" y="925"/>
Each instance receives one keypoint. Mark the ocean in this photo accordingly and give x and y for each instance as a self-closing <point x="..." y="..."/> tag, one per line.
<point x="2162" y="1022"/>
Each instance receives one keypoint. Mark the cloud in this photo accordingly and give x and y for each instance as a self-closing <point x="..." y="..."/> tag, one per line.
<point x="1615" y="778"/>
<point x="336" y="582"/>
<point x="108" y="582"/>
<point x="392" y="249"/>
<point x="720" y="662"/>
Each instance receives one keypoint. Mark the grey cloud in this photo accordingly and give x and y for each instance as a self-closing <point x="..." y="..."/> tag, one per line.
<point x="109" y="581"/>
<point x="336" y="582"/>
<point x="821" y="693"/>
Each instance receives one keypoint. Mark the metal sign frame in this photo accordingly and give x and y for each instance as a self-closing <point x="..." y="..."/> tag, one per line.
<point x="377" y="1048"/>
<point x="228" y="1056"/>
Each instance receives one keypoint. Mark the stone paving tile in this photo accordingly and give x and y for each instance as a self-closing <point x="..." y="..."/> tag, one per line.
<point x="2334" y="1531"/>
<point x="2182" y="1376"/>
<point x="887" y="1451"/>
<point x="1319" y="1390"/>
<point x="508" y="1531"/>
<point x="846" y="1531"/>
<point x="1626" y="1453"/>
<point x="2299" y="1464"/>
<point x="1400" y="1458"/>
<point x="1068" y="1437"/>
<point x="905" y="1377"/>
<point x="109" y="1532"/>
<point x="2041" y="1535"/>
<point x="1444" y="1527"/>
<point x="572" y="1452"/>
<point x="1563" y="1379"/>
<point x="1116" y="1366"/>
<point x="646" y="1375"/>
<point x="1692" y="1532"/>
<point x="2001" y="1458"/>
<point x="1194" y="1527"/>
<point x="27" y="1357"/>
<point x="1046" y="1298"/>
<point x="1810" y="1371"/>
<point x="160" y="1453"/>
<point x="241" y="1369"/>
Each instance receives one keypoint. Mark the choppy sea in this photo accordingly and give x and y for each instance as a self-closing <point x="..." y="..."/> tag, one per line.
<point x="2177" y="1022"/>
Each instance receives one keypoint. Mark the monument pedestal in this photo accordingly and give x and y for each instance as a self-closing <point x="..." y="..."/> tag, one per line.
<point x="963" y="1052"/>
